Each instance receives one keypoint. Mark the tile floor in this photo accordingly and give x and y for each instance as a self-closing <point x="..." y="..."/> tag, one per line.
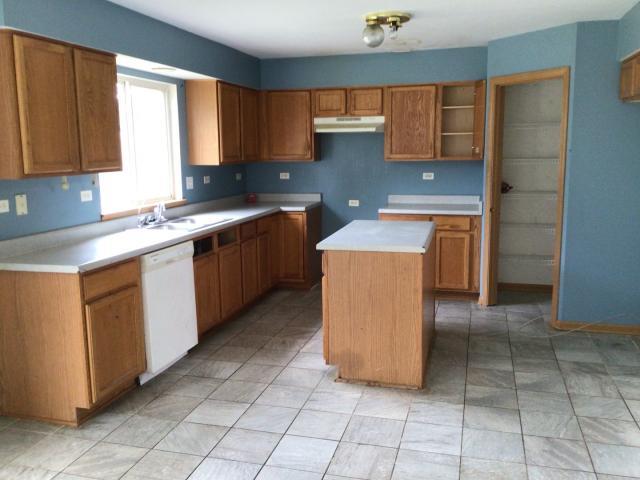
<point x="507" y="398"/>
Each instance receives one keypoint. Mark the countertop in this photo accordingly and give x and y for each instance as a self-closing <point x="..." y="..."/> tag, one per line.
<point x="108" y="249"/>
<point x="433" y="205"/>
<point x="381" y="236"/>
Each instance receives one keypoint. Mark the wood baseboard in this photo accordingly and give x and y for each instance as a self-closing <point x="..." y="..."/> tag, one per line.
<point x="596" y="328"/>
<point x="525" y="287"/>
<point x="449" y="295"/>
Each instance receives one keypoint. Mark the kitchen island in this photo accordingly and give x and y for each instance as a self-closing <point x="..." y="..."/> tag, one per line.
<point x="378" y="302"/>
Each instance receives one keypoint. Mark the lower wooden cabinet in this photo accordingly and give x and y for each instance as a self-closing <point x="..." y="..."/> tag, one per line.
<point x="265" y="280"/>
<point x="249" y="253"/>
<point x="207" y="283"/>
<point x="292" y="247"/>
<point x="457" y="249"/>
<point x="230" y="280"/>
<point x="115" y="339"/>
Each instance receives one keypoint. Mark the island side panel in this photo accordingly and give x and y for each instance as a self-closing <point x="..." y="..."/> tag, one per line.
<point x="374" y="301"/>
<point x="428" y="300"/>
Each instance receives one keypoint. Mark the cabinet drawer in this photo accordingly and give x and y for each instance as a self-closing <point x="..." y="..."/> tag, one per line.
<point x="452" y="223"/>
<point x="247" y="230"/>
<point x="110" y="280"/>
<point x="264" y="224"/>
<point x="405" y="217"/>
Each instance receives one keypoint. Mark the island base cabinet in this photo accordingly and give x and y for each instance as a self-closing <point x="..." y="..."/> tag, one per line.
<point x="378" y="315"/>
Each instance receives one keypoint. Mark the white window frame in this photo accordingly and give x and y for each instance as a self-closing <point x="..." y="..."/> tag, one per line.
<point x="170" y="91"/>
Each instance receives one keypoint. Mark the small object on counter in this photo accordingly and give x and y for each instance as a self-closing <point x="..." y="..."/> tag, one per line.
<point x="252" y="198"/>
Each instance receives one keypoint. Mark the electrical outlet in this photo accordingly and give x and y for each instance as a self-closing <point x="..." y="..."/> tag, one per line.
<point x="86" y="196"/>
<point x="189" y="183"/>
<point x="4" y="206"/>
<point x="238" y="176"/>
<point x="21" y="204"/>
<point x="206" y="179"/>
<point x="284" y="176"/>
<point x="354" y="203"/>
<point x="428" y="176"/>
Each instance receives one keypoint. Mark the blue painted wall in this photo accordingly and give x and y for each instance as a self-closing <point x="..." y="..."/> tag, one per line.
<point x="351" y="166"/>
<point x="629" y="32"/>
<point x="103" y="25"/>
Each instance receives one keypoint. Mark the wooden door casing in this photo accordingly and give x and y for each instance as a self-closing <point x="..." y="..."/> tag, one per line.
<point x="115" y="337"/>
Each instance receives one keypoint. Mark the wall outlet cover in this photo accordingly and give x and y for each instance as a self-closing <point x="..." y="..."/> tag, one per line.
<point x="428" y="175"/>
<point x="238" y="176"/>
<point x="206" y="179"/>
<point x="354" y="203"/>
<point x="284" y="176"/>
<point x="86" y="196"/>
<point x="21" y="204"/>
<point x="4" y="206"/>
<point x="189" y="182"/>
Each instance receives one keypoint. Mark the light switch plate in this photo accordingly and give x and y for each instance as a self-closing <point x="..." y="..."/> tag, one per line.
<point x="428" y="176"/>
<point x="207" y="179"/>
<point x="189" y="183"/>
<point x="4" y="206"/>
<point x="238" y="176"/>
<point x="284" y="175"/>
<point x="21" y="204"/>
<point x="354" y="203"/>
<point x="86" y="196"/>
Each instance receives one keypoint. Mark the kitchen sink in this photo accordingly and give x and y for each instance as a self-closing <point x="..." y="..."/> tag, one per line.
<point x="189" y="224"/>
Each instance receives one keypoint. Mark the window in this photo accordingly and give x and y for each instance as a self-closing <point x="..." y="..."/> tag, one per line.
<point x="150" y="148"/>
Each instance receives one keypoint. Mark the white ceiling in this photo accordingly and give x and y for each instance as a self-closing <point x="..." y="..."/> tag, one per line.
<point x="295" y="28"/>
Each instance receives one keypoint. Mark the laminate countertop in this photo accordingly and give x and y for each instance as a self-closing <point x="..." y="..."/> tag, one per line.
<point x="433" y="205"/>
<point x="381" y="236"/>
<point x="115" y="247"/>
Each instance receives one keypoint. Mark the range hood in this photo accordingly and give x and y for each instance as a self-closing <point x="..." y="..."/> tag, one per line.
<point x="348" y="124"/>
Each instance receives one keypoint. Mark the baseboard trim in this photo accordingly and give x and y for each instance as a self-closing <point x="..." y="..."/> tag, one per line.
<point x="596" y="328"/>
<point x="525" y="287"/>
<point x="448" y="295"/>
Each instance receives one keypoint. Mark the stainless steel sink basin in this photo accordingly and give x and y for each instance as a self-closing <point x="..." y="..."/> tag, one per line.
<point x="189" y="224"/>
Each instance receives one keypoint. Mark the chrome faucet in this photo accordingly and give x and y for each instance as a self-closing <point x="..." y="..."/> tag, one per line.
<point x="153" y="218"/>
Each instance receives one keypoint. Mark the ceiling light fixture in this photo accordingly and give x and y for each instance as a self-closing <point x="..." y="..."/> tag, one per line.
<point x="373" y="33"/>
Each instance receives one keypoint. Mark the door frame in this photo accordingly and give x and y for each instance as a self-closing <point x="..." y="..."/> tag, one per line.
<point x="491" y="221"/>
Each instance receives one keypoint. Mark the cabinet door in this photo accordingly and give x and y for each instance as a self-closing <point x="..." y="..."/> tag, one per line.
<point x="292" y="247"/>
<point x="453" y="262"/>
<point x="98" y="121"/>
<point x="47" y="106"/>
<point x="264" y="263"/>
<point x="410" y="130"/>
<point x="249" y="253"/>
<point x="205" y="270"/>
<point x="275" y="238"/>
<point x="330" y="103"/>
<point x="635" y="86"/>
<point x="250" y="133"/>
<point x="626" y="80"/>
<point x="229" y="113"/>
<point x="289" y="125"/>
<point x="115" y="336"/>
<point x="365" y="101"/>
<point x="230" y="280"/>
<point x="477" y="150"/>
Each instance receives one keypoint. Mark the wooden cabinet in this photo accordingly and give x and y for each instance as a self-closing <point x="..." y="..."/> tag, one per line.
<point x="57" y="107"/>
<point x="207" y="284"/>
<point x="292" y="247"/>
<point x="249" y="253"/>
<point x="222" y="122"/>
<point x="330" y="102"/>
<point x="457" y="243"/>
<point x="114" y="334"/>
<point x="365" y="101"/>
<point x="460" y="121"/>
<point x="289" y="125"/>
<point x="265" y="279"/>
<point x="230" y="280"/>
<point x="630" y="79"/>
<point x="410" y="123"/>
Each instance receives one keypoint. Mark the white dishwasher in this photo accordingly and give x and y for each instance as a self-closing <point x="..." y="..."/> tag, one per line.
<point x="169" y="303"/>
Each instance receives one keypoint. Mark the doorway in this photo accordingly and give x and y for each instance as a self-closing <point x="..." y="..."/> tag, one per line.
<point x="528" y="115"/>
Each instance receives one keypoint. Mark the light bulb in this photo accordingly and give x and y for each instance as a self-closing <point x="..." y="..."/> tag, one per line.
<point x="373" y="35"/>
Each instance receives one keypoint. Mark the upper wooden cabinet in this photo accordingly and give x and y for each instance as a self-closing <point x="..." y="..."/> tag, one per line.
<point x="460" y="121"/>
<point x="630" y="79"/>
<point x="222" y="123"/>
<point x="337" y="102"/>
<point x="58" y="108"/>
<point x="410" y="122"/>
<point x="289" y="125"/>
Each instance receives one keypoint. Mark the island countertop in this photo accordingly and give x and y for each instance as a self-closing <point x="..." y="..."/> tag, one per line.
<point x="381" y="236"/>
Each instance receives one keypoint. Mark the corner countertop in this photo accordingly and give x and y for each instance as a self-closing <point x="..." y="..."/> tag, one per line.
<point x="381" y="236"/>
<point x="115" y="247"/>
<point x="433" y="205"/>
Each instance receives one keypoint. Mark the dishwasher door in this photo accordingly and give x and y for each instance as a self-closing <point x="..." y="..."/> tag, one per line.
<point x="169" y="303"/>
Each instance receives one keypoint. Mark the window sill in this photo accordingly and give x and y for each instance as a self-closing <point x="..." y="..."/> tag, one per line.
<point x="145" y="209"/>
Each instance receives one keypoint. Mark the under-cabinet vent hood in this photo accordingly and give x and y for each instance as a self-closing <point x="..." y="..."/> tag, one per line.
<point x="348" y="124"/>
